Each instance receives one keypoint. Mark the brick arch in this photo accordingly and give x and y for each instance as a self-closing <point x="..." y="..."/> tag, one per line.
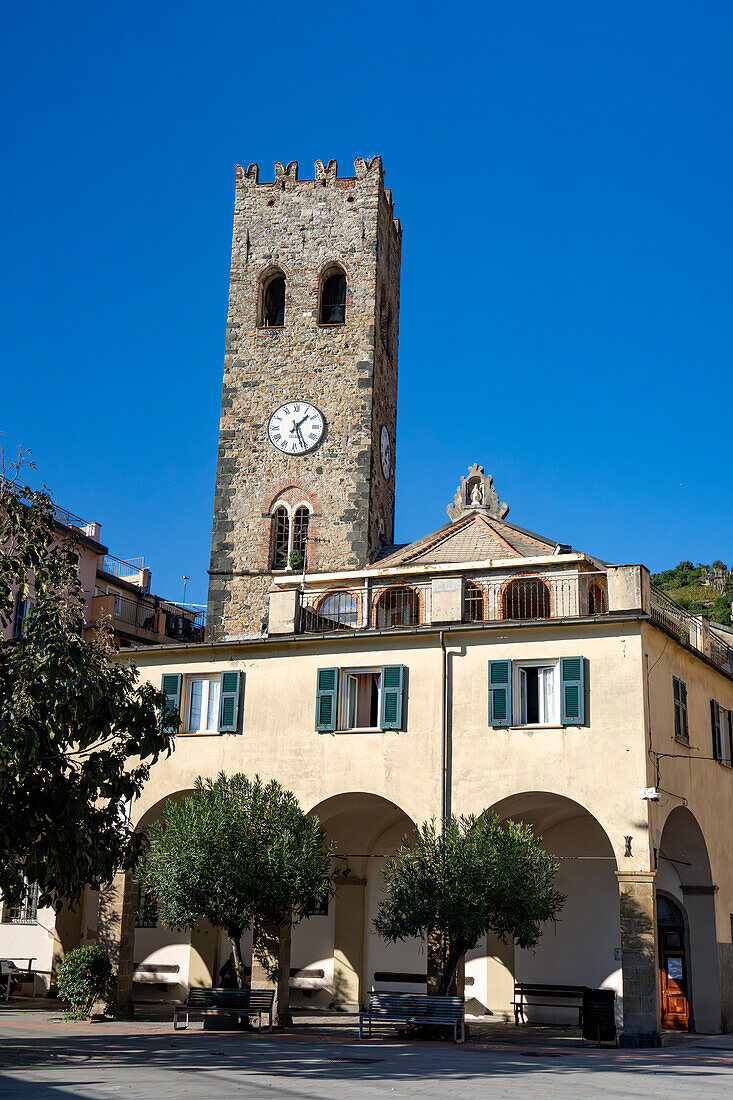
<point x="524" y="577"/>
<point x="292" y="495"/>
<point x="377" y="596"/>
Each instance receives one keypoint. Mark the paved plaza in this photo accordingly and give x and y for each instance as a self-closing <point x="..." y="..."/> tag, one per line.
<point x="44" y="1059"/>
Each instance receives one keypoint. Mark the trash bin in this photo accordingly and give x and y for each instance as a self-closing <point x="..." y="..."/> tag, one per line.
<point x="599" y="1021"/>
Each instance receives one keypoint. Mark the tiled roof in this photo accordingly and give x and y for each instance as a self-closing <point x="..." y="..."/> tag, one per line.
<point x="473" y="538"/>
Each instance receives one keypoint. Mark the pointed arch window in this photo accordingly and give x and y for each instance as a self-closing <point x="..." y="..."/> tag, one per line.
<point x="280" y="538"/>
<point x="272" y="301"/>
<point x="332" y="310"/>
<point x="597" y="602"/>
<point x="290" y="537"/>
<point x="301" y="520"/>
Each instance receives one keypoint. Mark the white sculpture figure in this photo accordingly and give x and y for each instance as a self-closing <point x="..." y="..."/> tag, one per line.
<point x="477" y="493"/>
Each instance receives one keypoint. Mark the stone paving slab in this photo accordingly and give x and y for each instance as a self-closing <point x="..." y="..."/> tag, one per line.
<point x="51" y="1060"/>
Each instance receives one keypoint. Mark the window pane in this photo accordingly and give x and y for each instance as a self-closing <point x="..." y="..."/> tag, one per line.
<point x="547" y="677"/>
<point x="197" y="694"/>
<point x="212" y="720"/>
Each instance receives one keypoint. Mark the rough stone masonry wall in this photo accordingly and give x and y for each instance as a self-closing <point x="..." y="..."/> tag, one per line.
<point x="301" y="227"/>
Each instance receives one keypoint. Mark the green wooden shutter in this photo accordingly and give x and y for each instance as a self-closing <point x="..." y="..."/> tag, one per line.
<point x="572" y="692"/>
<point x="327" y="684"/>
<point x="229" y="701"/>
<point x="500" y="693"/>
<point x="676" y="704"/>
<point x="715" y="719"/>
<point x="171" y="688"/>
<point x="391" y="709"/>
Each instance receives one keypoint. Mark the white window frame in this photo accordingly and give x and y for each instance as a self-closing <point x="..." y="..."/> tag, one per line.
<point x="291" y="509"/>
<point x="344" y="675"/>
<point x="208" y="678"/>
<point x="519" y="695"/>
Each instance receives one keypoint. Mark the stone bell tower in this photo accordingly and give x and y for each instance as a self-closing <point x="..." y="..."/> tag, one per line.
<point x="305" y="469"/>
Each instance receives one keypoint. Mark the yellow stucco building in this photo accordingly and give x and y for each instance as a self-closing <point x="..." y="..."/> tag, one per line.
<point x="483" y="667"/>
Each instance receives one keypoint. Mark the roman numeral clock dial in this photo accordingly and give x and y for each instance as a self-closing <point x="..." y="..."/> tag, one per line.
<point x="295" y="428"/>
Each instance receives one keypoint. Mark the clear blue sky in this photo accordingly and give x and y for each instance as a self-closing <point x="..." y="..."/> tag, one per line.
<point x="563" y="175"/>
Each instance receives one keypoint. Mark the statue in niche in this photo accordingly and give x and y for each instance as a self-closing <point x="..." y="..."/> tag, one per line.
<point x="477" y="491"/>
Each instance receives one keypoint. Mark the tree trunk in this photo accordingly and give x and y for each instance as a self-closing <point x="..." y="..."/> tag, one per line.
<point x="282" y="1000"/>
<point x="235" y="937"/>
<point x="455" y="954"/>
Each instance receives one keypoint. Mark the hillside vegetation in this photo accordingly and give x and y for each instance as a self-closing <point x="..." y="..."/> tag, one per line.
<point x="684" y="584"/>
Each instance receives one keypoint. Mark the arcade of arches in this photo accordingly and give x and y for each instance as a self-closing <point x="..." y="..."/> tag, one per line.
<point x="605" y="936"/>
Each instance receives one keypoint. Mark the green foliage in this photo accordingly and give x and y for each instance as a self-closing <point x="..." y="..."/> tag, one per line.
<point x="296" y="559"/>
<point x="84" y="977"/>
<point x="683" y="574"/>
<point x="473" y="877"/>
<point x="78" y="733"/>
<point x="235" y="851"/>
<point x="683" y="584"/>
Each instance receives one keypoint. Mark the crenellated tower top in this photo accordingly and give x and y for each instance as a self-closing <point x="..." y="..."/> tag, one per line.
<point x="366" y="171"/>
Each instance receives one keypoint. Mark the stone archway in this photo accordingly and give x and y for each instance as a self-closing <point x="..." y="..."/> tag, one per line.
<point x="336" y="955"/>
<point x="151" y="956"/>
<point x="685" y="875"/>
<point x="583" y="947"/>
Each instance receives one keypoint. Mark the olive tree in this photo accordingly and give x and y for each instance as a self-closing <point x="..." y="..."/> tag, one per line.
<point x="240" y="853"/>
<point x="78" y="732"/>
<point x="472" y="876"/>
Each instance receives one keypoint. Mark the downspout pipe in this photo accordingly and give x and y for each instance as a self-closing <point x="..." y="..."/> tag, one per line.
<point x="445" y="806"/>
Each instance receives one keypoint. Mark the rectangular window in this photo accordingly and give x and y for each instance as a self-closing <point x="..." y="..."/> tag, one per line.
<point x="722" y="723"/>
<point x="361" y="696"/>
<point x="26" y="912"/>
<point x="679" y="692"/>
<point x="203" y="704"/>
<point x="21" y="613"/>
<point x="536" y="694"/>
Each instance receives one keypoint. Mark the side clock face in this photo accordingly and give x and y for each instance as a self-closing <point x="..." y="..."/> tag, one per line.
<point x="385" y="452"/>
<point x="295" y="428"/>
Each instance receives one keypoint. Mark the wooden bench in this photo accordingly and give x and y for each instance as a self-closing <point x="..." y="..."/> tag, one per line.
<point x="226" y="1002"/>
<point x="540" y="995"/>
<point x="415" y="1008"/>
<point x="160" y="973"/>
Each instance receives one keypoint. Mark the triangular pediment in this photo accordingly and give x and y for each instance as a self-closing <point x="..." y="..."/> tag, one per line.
<point x="472" y="538"/>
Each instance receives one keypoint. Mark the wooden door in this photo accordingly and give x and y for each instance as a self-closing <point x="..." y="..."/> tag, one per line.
<point x="673" y="979"/>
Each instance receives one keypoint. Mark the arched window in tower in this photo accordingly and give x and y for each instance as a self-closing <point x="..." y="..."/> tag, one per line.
<point x="272" y="301"/>
<point x="299" y="553"/>
<point x="280" y="538"/>
<point x="597" y="602"/>
<point x="528" y="598"/>
<point x="332" y="309"/>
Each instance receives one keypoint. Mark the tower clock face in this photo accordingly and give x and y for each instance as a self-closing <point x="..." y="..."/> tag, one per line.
<point x="385" y="452"/>
<point x="295" y="428"/>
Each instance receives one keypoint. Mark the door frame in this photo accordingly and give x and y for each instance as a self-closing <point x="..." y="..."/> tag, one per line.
<point x="688" y="961"/>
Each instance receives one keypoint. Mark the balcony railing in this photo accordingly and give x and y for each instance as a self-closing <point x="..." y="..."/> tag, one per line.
<point x="184" y="625"/>
<point x="117" y="567"/>
<point x="691" y="630"/>
<point x="523" y="599"/>
<point x="142" y="616"/>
